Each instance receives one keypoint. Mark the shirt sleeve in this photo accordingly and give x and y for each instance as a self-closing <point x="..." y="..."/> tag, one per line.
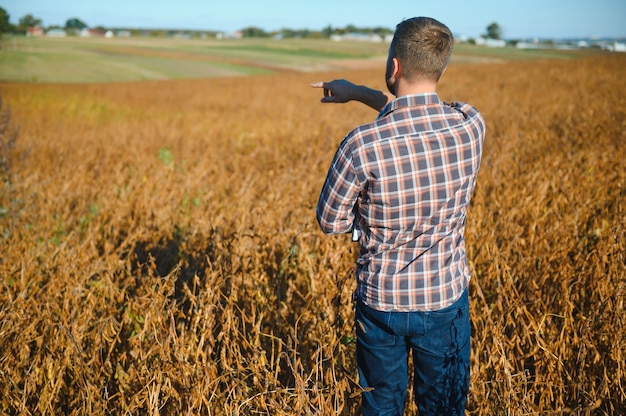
<point x="335" y="207"/>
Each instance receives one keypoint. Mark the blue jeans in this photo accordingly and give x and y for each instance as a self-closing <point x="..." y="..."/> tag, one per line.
<point x="440" y="343"/>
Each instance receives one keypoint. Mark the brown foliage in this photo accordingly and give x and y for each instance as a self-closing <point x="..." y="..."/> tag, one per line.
<point x="161" y="255"/>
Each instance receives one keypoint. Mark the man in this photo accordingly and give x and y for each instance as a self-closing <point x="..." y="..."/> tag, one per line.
<point x="402" y="184"/>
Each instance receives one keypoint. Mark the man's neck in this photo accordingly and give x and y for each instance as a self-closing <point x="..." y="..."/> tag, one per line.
<point x="416" y="87"/>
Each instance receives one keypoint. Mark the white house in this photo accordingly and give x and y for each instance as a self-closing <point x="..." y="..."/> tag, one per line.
<point x="56" y="33"/>
<point x="619" y="47"/>
<point x="230" y="35"/>
<point x="363" y="37"/>
<point x="491" y="43"/>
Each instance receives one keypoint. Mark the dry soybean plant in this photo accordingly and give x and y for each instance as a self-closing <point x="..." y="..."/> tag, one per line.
<point x="162" y="256"/>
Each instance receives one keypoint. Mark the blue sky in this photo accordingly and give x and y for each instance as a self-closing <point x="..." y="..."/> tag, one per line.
<point x="518" y="19"/>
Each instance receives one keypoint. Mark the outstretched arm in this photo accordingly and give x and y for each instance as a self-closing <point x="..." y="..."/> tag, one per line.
<point x="342" y="91"/>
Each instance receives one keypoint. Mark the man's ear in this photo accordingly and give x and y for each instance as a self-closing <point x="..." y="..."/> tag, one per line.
<point x="443" y="72"/>
<point x="397" y="68"/>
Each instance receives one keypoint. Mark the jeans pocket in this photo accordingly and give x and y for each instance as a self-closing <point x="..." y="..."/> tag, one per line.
<point x="371" y="329"/>
<point x="447" y="331"/>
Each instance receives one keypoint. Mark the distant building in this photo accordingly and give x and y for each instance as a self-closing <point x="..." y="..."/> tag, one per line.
<point x="362" y="37"/>
<point x="87" y="33"/>
<point x="531" y="45"/>
<point x="181" y="35"/>
<point x="56" y="33"/>
<point x="491" y="43"/>
<point x="617" y="47"/>
<point x="35" y="31"/>
<point x="230" y="35"/>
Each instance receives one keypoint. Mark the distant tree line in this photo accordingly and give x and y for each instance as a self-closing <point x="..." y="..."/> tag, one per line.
<point x="72" y="24"/>
<point x="75" y="25"/>
<point x="326" y="32"/>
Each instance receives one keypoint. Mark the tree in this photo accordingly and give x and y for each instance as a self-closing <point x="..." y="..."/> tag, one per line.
<point x="29" y="21"/>
<point x="327" y="31"/>
<point x="382" y="31"/>
<point x="254" y="32"/>
<point x="75" y="24"/>
<point x="494" y="31"/>
<point x="5" y="25"/>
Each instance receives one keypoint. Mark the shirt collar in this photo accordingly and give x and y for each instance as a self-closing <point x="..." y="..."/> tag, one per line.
<point x="410" y="101"/>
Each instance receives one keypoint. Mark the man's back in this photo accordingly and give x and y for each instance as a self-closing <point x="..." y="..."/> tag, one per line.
<point x="412" y="172"/>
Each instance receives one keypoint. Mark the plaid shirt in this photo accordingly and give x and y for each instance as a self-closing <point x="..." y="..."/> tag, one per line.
<point x="404" y="182"/>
